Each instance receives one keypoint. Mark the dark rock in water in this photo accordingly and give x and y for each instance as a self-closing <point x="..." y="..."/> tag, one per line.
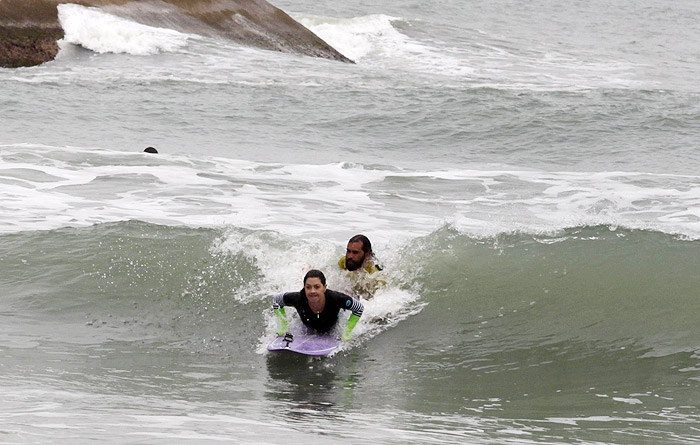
<point x="29" y="29"/>
<point x="28" y="46"/>
<point x="150" y="150"/>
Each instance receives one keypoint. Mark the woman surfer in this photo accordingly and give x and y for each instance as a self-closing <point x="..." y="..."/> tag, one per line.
<point x="317" y="306"/>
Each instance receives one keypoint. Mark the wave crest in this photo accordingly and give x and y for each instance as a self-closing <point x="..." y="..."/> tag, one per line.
<point x="104" y="33"/>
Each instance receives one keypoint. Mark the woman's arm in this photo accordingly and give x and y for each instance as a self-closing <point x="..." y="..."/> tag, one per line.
<point x="278" y="307"/>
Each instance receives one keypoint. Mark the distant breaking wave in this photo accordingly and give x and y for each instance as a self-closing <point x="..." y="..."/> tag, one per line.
<point x="485" y="61"/>
<point x="104" y="33"/>
<point x="376" y="40"/>
<point x="357" y="37"/>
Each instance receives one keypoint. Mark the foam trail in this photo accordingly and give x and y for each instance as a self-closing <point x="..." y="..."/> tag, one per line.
<point x="356" y="37"/>
<point x="104" y="33"/>
<point x="45" y="188"/>
<point x="376" y="40"/>
<point x="482" y="59"/>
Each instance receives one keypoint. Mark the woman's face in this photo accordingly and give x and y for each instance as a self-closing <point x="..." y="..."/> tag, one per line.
<point x="315" y="290"/>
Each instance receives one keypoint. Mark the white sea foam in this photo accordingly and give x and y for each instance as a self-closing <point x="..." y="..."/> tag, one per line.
<point x="357" y="37"/>
<point x="104" y="33"/>
<point x="374" y="40"/>
<point x="48" y="187"/>
<point x="484" y="61"/>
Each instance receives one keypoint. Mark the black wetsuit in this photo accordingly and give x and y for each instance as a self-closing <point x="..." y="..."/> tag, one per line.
<point x="326" y="319"/>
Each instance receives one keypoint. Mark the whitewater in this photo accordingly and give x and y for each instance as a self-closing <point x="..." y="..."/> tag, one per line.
<point x="528" y="176"/>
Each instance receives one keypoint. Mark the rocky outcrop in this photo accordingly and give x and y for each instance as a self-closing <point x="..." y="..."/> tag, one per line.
<point x="28" y="46"/>
<point x="29" y="29"/>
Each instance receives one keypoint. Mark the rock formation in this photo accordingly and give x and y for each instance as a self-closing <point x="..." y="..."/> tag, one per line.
<point x="29" y="29"/>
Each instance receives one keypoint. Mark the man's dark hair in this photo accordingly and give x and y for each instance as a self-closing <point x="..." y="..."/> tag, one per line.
<point x="366" y="245"/>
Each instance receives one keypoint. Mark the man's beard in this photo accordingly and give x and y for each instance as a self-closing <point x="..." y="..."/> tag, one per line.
<point x="352" y="265"/>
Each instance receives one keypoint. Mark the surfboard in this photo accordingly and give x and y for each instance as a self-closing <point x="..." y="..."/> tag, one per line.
<point x="306" y="343"/>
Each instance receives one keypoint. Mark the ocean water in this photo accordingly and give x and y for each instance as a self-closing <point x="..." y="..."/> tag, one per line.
<point x="527" y="173"/>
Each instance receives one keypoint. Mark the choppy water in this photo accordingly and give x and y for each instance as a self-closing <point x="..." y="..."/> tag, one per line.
<point x="527" y="174"/>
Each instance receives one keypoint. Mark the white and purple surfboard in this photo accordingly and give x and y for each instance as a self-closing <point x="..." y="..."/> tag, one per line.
<point x="306" y="343"/>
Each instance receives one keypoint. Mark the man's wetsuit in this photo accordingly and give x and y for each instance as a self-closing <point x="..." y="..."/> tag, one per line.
<point x="326" y="319"/>
<point x="364" y="285"/>
<point x="368" y="265"/>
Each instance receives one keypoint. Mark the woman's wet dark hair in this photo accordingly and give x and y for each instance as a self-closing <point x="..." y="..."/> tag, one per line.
<point x="314" y="273"/>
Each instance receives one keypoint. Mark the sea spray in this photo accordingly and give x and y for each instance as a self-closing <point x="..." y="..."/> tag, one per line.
<point x="104" y="33"/>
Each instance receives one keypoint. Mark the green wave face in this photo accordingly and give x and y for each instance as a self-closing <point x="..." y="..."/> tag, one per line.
<point x="533" y="328"/>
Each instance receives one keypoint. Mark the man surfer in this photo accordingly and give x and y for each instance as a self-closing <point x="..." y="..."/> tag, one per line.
<point x="360" y="262"/>
<point x="359" y="256"/>
<point x="317" y="306"/>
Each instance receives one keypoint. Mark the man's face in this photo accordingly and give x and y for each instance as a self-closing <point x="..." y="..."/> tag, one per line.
<point x="355" y="256"/>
